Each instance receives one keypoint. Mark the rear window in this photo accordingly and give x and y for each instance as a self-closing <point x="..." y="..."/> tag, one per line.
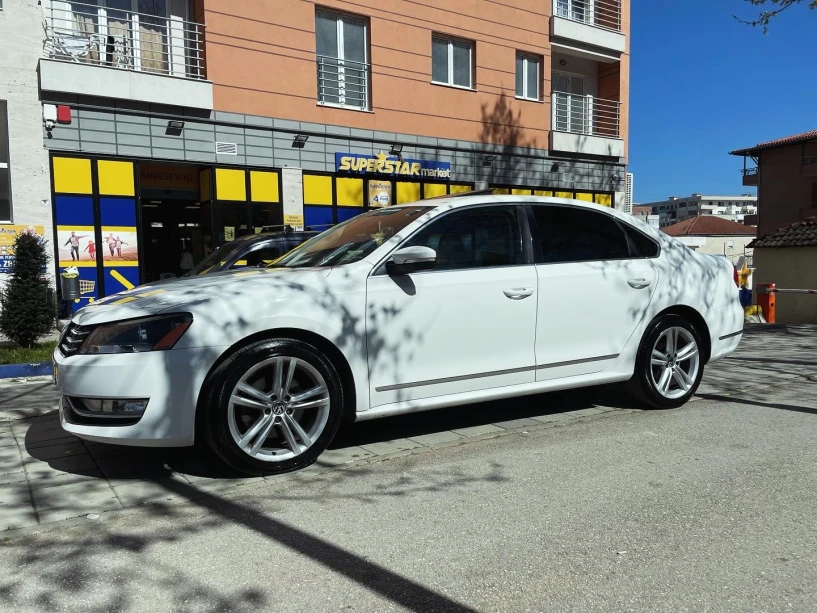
<point x="640" y="244"/>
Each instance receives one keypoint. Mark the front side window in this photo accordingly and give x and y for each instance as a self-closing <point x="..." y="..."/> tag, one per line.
<point x="527" y="76"/>
<point x="570" y="234"/>
<point x="343" y="69"/>
<point x="353" y="240"/>
<point x="474" y="238"/>
<point x="452" y="61"/>
<point x="5" y="172"/>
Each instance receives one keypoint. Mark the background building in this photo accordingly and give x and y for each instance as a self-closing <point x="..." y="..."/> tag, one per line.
<point x="785" y="174"/>
<point x="675" y="209"/>
<point x="715" y="235"/>
<point x="177" y="125"/>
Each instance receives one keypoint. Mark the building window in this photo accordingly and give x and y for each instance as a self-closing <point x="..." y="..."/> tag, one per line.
<point x="343" y="69"/>
<point x="452" y="62"/>
<point x="527" y="76"/>
<point x="5" y="171"/>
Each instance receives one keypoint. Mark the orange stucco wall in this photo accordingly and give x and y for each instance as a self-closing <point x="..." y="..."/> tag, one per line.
<point x="261" y="59"/>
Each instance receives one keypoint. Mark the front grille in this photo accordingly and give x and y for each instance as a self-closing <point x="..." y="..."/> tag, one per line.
<point x="72" y="338"/>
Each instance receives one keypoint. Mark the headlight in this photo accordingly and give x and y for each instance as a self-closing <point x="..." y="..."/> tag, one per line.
<point x="136" y="335"/>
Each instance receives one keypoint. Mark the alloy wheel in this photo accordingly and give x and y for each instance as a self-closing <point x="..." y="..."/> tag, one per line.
<point x="675" y="362"/>
<point x="278" y="409"/>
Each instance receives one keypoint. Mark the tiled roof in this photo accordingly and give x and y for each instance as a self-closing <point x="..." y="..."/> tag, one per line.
<point x="801" y="234"/>
<point x="779" y="142"/>
<point x="709" y="225"/>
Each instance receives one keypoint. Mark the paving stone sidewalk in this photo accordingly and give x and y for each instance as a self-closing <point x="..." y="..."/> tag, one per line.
<point x="47" y="475"/>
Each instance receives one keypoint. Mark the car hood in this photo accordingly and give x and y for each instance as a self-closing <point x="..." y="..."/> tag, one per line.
<point x="193" y="293"/>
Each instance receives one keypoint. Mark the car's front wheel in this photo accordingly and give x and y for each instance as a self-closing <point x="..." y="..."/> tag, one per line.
<point x="669" y="365"/>
<point x="272" y="407"/>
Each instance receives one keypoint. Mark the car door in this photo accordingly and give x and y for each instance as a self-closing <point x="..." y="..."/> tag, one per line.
<point x="595" y="282"/>
<point x="468" y="324"/>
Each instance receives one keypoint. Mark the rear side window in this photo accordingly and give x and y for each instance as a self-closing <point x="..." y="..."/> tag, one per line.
<point x="640" y="244"/>
<point x="568" y="234"/>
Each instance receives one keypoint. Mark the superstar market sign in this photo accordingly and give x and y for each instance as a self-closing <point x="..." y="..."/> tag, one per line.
<point x="392" y="166"/>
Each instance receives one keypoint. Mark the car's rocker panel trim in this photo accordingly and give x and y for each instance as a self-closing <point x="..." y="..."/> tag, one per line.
<point x="725" y="336"/>
<point x="494" y="373"/>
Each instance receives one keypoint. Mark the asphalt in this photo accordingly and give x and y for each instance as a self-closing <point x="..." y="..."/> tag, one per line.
<point x="594" y="506"/>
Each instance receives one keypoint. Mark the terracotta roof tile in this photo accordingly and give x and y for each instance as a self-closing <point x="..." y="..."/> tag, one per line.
<point x="778" y="142"/>
<point x="709" y="225"/>
<point x="801" y="234"/>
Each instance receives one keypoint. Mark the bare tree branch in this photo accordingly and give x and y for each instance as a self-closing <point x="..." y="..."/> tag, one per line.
<point x="775" y="7"/>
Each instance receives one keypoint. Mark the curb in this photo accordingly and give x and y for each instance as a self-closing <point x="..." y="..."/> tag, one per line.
<point x="19" y="371"/>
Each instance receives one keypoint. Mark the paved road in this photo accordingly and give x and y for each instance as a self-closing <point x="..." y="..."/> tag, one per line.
<point x="710" y="507"/>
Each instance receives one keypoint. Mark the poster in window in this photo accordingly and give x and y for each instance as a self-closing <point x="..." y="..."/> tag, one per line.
<point x="76" y="246"/>
<point x="8" y="234"/>
<point x="120" y="245"/>
<point x="380" y="194"/>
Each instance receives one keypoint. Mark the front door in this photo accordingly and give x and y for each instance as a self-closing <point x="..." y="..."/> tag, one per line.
<point x="570" y="105"/>
<point x="466" y="326"/>
<point x="594" y="288"/>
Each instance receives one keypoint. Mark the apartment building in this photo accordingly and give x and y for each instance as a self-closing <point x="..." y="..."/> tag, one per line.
<point x="676" y="209"/>
<point x="177" y="125"/>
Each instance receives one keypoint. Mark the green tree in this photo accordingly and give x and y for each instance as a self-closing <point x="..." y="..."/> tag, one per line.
<point x="27" y="310"/>
<point x="771" y="9"/>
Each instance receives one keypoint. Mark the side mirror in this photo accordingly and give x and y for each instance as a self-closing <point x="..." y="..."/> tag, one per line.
<point x="411" y="259"/>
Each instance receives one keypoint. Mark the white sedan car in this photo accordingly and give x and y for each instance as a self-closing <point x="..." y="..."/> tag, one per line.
<point x="408" y="308"/>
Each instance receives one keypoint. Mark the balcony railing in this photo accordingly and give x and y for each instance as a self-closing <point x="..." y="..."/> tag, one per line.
<point x="343" y="83"/>
<point x="91" y="34"/>
<point x="599" y="13"/>
<point x="579" y="114"/>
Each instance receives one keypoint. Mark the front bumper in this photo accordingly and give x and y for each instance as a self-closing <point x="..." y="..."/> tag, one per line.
<point x="170" y="380"/>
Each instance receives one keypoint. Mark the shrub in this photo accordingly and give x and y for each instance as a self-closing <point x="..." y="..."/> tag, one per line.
<point x="28" y="310"/>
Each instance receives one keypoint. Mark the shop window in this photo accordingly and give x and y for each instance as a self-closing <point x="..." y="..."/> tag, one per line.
<point x="432" y="190"/>
<point x="5" y="171"/>
<point x="72" y="175"/>
<point x="452" y="61"/>
<point x="345" y="213"/>
<point x="407" y="192"/>
<point x="527" y="76"/>
<point x="317" y="189"/>
<point x="318" y="217"/>
<point x="264" y="186"/>
<point x="542" y="192"/>
<point x="501" y="191"/>
<point x="565" y="195"/>
<point x="231" y="184"/>
<point x="349" y="192"/>
<point x="460" y="189"/>
<point x="604" y="199"/>
<point x="521" y="192"/>
<point x="343" y="69"/>
<point x="584" y="196"/>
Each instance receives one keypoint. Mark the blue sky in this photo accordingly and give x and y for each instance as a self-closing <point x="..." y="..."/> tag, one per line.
<point x="703" y="84"/>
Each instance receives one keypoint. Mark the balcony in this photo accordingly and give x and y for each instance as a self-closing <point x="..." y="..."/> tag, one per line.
<point x="750" y="176"/>
<point x="586" y="124"/>
<point x="98" y="50"/>
<point x="343" y="83"/>
<point x="590" y="28"/>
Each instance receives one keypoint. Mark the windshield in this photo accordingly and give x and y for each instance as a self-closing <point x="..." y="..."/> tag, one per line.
<point x="215" y="259"/>
<point x="353" y="240"/>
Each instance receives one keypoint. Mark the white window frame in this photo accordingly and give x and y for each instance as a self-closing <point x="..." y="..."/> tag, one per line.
<point x="526" y="59"/>
<point x="342" y="58"/>
<point x="450" y="40"/>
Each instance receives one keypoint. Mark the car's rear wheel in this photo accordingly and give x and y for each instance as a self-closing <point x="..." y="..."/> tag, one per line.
<point x="669" y="365"/>
<point x="273" y="406"/>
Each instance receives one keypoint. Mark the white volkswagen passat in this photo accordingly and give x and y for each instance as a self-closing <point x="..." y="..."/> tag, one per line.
<point x="402" y="309"/>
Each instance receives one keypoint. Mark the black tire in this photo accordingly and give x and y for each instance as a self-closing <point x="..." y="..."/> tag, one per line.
<point x="641" y="386"/>
<point x="218" y="390"/>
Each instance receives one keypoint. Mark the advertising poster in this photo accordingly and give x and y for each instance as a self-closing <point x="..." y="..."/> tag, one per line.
<point x="8" y="234"/>
<point x="119" y="244"/>
<point x="380" y="194"/>
<point x="76" y="245"/>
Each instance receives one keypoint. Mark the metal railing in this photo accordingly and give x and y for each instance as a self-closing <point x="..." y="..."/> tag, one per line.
<point x="749" y="171"/>
<point x="599" y="13"/>
<point x="809" y="159"/>
<point x="91" y="34"/>
<point x="580" y="114"/>
<point x="343" y="82"/>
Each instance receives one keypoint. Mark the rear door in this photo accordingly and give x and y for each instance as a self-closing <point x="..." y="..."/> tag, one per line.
<point x="595" y="285"/>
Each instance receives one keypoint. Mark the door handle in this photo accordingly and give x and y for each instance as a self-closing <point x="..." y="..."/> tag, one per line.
<point x="518" y="293"/>
<point x="639" y="283"/>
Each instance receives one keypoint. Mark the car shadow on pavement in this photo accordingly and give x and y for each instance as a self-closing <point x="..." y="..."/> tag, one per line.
<point x="64" y="453"/>
<point x="770" y="405"/>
